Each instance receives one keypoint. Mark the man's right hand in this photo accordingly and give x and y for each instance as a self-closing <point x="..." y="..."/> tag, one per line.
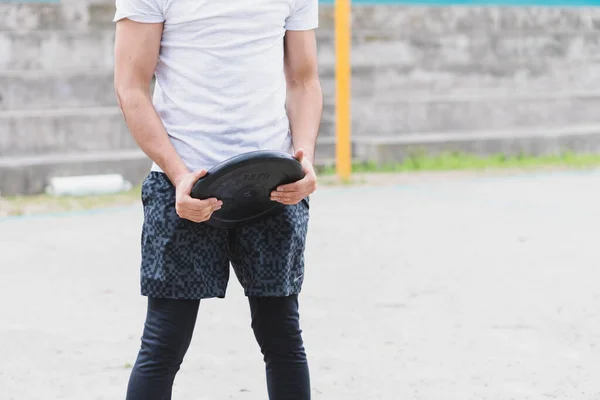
<point x="189" y="208"/>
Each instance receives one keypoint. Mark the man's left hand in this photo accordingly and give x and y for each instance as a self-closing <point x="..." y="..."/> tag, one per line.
<point x="293" y="193"/>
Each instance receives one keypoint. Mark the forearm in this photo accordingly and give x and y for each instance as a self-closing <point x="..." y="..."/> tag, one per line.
<point x="305" y="109"/>
<point x="149" y="133"/>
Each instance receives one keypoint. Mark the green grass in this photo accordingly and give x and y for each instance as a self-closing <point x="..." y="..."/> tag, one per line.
<point x="452" y="161"/>
<point x="416" y="162"/>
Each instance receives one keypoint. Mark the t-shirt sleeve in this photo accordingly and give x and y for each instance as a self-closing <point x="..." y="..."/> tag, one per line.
<point x="305" y="16"/>
<point x="147" y="11"/>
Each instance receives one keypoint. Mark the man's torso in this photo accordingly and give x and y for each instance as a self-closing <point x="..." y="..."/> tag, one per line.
<point x="220" y="84"/>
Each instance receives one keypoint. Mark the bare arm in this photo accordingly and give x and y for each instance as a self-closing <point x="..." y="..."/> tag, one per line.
<point x="136" y="55"/>
<point x="137" y="47"/>
<point x="304" y="94"/>
<point x="304" y="107"/>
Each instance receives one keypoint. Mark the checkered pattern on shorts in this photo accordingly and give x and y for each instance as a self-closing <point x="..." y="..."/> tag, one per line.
<point x="187" y="260"/>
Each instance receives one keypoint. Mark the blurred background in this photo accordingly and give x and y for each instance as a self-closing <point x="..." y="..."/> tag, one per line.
<point x="482" y="79"/>
<point x="460" y="262"/>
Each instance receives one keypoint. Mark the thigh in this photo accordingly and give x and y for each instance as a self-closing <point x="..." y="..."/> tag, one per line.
<point x="168" y="331"/>
<point x="181" y="259"/>
<point x="167" y="335"/>
<point x="268" y="255"/>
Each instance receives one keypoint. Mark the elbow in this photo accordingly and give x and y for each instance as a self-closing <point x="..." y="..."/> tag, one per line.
<point x="119" y="94"/>
<point x="128" y="98"/>
<point x="309" y="82"/>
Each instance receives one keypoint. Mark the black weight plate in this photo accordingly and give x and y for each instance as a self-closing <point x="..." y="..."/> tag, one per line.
<point x="244" y="184"/>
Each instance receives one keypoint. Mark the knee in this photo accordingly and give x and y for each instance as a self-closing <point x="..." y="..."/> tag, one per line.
<point x="157" y="358"/>
<point x="276" y="326"/>
<point x="164" y="344"/>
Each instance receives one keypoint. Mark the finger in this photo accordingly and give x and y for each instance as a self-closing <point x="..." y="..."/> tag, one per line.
<point x="292" y="187"/>
<point x="199" y="173"/>
<point x="299" y="194"/>
<point x="197" y="216"/>
<point x="205" y="213"/>
<point x="286" y="195"/>
<point x="287" y="198"/>
<point x="216" y="207"/>
<point x="292" y="197"/>
<point x="188" y="204"/>
<point x="308" y="181"/>
<point x="189" y="181"/>
<point x="299" y="155"/>
<point x="298" y="187"/>
<point x="197" y="204"/>
<point x="194" y="177"/>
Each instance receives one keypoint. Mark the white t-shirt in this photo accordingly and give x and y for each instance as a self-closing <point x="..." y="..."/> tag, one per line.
<point x="220" y="85"/>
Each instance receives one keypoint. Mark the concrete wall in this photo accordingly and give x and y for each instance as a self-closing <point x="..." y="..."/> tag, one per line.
<point x="477" y="79"/>
<point x="422" y="69"/>
<point x="480" y="79"/>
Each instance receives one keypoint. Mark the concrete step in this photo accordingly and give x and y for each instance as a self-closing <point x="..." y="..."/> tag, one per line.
<point x="40" y="132"/>
<point x="401" y="81"/>
<point x="31" y="174"/>
<point x="382" y="113"/>
<point x="496" y="58"/>
<point x="415" y="112"/>
<point x="443" y="20"/>
<point x="57" y="49"/>
<point x="499" y="52"/>
<point x="391" y="19"/>
<point x="414" y="61"/>
<point x="63" y="15"/>
<point x="535" y="141"/>
<point x="390" y="60"/>
<point x="30" y="90"/>
<point x="94" y="88"/>
<point x="62" y="131"/>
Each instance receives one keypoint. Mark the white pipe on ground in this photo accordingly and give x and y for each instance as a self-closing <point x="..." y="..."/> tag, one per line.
<point x="87" y="185"/>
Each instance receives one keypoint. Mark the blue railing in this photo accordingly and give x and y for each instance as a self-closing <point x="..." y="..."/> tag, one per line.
<point x="551" y="3"/>
<point x="29" y="1"/>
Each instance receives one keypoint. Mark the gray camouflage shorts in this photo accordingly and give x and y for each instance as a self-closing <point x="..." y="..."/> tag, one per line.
<point x="187" y="260"/>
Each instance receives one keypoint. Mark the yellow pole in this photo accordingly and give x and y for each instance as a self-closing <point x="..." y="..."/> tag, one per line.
<point x="343" y="124"/>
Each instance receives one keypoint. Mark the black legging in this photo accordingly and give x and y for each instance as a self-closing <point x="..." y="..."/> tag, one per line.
<point x="168" y="332"/>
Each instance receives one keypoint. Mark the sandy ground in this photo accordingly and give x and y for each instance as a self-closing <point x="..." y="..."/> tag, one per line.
<point x="465" y="289"/>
